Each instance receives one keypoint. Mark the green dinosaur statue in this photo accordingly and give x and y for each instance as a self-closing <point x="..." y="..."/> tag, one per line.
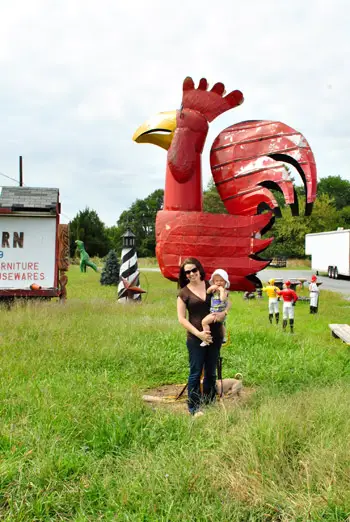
<point x="84" y="257"/>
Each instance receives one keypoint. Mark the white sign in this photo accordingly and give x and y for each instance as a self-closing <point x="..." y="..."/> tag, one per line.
<point x="27" y="252"/>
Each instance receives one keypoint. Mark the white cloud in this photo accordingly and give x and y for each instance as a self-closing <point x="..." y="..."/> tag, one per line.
<point x="79" y="77"/>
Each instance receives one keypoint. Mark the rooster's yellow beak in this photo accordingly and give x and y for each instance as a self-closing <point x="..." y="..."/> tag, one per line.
<point x="158" y="130"/>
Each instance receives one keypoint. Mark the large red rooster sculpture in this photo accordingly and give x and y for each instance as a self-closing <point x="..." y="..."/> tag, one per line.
<point x="247" y="161"/>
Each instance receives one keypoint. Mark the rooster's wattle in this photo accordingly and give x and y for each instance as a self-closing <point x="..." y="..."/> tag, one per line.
<point x="247" y="161"/>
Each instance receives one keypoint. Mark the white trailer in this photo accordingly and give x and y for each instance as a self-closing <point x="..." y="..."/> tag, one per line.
<point x="330" y="252"/>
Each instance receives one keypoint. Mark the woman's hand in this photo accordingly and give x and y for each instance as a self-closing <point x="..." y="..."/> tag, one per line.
<point x="205" y="336"/>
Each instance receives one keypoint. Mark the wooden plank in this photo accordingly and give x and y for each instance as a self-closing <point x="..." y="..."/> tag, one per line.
<point x="342" y="331"/>
<point x="154" y="398"/>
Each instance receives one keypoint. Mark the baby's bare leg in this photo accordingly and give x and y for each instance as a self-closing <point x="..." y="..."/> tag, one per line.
<point x="208" y="320"/>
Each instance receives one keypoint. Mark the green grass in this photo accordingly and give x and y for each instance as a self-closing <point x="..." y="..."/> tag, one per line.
<point x="78" y="444"/>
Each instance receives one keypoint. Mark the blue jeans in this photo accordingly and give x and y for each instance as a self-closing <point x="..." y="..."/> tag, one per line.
<point x="202" y="357"/>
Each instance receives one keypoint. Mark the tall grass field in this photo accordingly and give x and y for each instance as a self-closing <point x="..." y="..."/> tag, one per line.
<point x="77" y="442"/>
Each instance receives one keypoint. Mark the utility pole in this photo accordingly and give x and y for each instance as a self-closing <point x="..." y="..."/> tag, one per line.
<point x="20" y="172"/>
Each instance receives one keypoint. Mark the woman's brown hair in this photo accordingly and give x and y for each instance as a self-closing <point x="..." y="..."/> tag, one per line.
<point x="183" y="281"/>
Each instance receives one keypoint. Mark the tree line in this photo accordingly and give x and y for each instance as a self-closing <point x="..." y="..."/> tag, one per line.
<point x="100" y="239"/>
<point x="331" y="210"/>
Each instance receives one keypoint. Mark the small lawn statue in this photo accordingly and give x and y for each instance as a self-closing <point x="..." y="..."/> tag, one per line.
<point x="289" y="299"/>
<point x="314" y="295"/>
<point x="129" y="292"/>
<point x="248" y="295"/>
<point x="84" y="257"/>
<point x="129" y="283"/>
<point x="272" y="292"/>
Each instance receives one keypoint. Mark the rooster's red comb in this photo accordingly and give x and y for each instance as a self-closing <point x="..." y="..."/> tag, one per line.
<point x="209" y="103"/>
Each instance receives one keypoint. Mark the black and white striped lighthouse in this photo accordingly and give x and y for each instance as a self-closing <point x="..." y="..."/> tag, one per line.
<point x="128" y="266"/>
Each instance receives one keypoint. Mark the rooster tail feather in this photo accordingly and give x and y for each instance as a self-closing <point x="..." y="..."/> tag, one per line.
<point x="249" y="159"/>
<point x="255" y="281"/>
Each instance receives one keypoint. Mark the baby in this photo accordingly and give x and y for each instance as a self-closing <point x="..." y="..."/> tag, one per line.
<point x="219" y="300"/>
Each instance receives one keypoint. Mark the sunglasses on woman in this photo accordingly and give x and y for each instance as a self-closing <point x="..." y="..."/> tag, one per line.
<point x="193" y="271"/>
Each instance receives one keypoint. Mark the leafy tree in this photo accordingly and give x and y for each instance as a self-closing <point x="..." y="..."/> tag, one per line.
<point x="141" y="219"/>
<point x="289" y="236"/>
<point x="88" y="227"/>
<point x="289" y="232"/>
<point x="325" y="216"/>
<point x="337" y="189"/>
<point x="211" y="200"/>
<point x="345" y="216"/>
<point x="110" y="272"/>
<point x="114" y="234"/>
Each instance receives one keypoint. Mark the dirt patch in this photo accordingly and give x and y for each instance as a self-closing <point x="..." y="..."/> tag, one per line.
<point x="165" y="396"/>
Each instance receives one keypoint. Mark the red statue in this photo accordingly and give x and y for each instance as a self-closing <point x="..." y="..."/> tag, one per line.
<point x="247" y="160"/>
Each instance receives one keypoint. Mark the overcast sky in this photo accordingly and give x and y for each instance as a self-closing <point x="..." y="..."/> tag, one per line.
<point x="78" y="77"/>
